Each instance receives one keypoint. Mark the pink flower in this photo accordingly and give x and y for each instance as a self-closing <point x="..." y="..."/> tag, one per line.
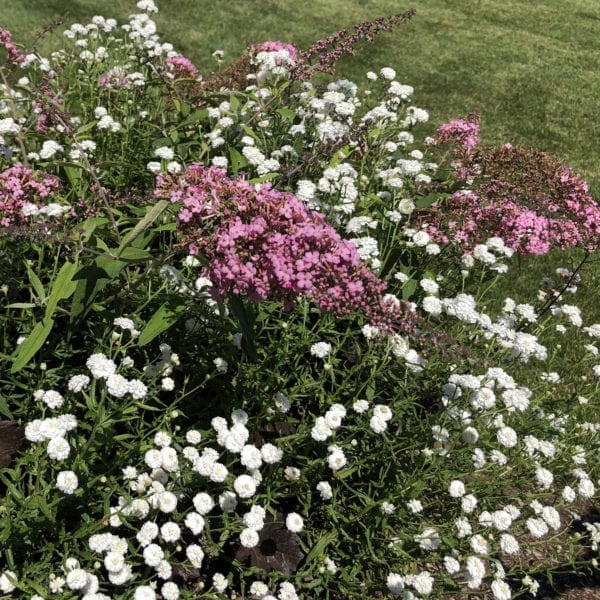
<point x="268" y="245"/>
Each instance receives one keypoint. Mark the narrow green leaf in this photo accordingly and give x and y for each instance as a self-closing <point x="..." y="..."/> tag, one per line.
<point x="319" y="548"/>
<point x="266" y="177"/>
<point x="32" y="344"/>
<point x="161" y="320"/>
<point x="36" y="284"/>
<point x="150" y="217"/>
<point x="22" y="305"/>
<point x="62" y="287"/>
<point x="133" y="253"/>
<point x="238" y="161"/>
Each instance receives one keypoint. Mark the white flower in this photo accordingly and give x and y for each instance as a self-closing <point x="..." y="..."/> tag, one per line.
<point x="377" y="424"/>
<point x="117" y="385"/>
<point x="219" y="473"/>
<point x="153" y="554"/>
<point x="195" y="555"/>
<point x="67" y="482"/>
<point x="324" y="488"/>
<point x="387" y="73"/>
<point x="336" y="460"/>
<point x="586" y="488"/>
<point x="221" y="365"/>
<point x="203" y="503"/>
<point x="249" y="538"/>
<point x="49" y="149"/>
<point x="360" y="406"/>
<point x="7" y="581"/>
<point x="245" y="486"/>
<point x="470" y="435"/>
<point x="474" y="571"/>
<point x="114" y="562"/>
<point x="321" y="430"/>
<point x="456" y="488"/>
<point x="294" y="522"/>
<point x="509" y="544"/>
<point x="144" y="592"/>
<point x="320" y="349"/>
<point x="77" y="579"/>
<point x="52" y="399"/>
<point x="170" y="532"/>
<point x="167" y="502"/>
<point x="387" y="508"/>
<point x="415" y="506"/>
<point x="100" y="366"/>
<point x="501" y="590"/>
<point x="507" y="437"/>
<point x="164" y="153"/>
<point x="451" y="565"/>
<point x="463" y="527"/>
<point x="544" y="478"/>
<point x="170" y="591"/>
<point x="271" y="454"/>
<point x="77" y="383"/>
<point x="537" y="527"/>
<point x="423" y="583"/>
<point x="429" y="539"/>
<point x="480" y="545"/>
<point x="219" y="582"/>
<point x="58" y="448"/>
<point x="395" y="583"/>
<point x="137" y="389"/>
<point x="468" y="503"/>
<point x="193" y="437"/>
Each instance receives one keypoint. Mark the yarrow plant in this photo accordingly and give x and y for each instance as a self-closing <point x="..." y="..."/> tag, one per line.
<point x="249" y="348"/>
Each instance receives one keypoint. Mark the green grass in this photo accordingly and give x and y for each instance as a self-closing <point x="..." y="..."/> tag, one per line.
<point x="529" y="67"/>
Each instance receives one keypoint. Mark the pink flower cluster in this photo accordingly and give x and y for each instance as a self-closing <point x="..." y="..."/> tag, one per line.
<point x="180" y="67"/>
<point x="464" y="132"/>
<point x="14" y="54"/>
<point x="266" y="244"/>
<point x="520" y="195"/>
<point x="273" y="46"/>
<point x="20" y="188"/>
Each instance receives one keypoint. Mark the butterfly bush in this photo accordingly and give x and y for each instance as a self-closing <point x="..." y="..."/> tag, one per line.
<point x="270" y="352"/>
<point x="527" y="199"/>
<point x="267" y="244"/>
<point x="24" y="193"/>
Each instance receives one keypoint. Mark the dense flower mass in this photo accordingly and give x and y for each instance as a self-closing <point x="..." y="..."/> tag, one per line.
<point x="23" y="193"/>
<point x="522" y="196"/>
<point x="267" y="244"/>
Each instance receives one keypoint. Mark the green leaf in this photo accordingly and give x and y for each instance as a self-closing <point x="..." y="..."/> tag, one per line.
<point x="245" y="319"/>
<point x="36" y="284"/>
<point x="43" y="506"/>
<point x="32" y="344"/>
<point x="133" y="253"/>
<point x="166" y="316"/>
<point x="408" y="289"/>
<point x="62" y="287"/>
<point x="22" y="305"/>
<point x="4" y="408"/>
<point x="286" y="113"/>
<point x="195" y="117"/>
<point x="150" y="217"/>
<point x="234" y="103"/>
<point x="266" y="177"/>
<point x="73" y="175"/>
<point x="85" y="128"/>
<point x="319" y="548"/>
<point x="90" y="225"/>
<point x="238" y="161"/>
